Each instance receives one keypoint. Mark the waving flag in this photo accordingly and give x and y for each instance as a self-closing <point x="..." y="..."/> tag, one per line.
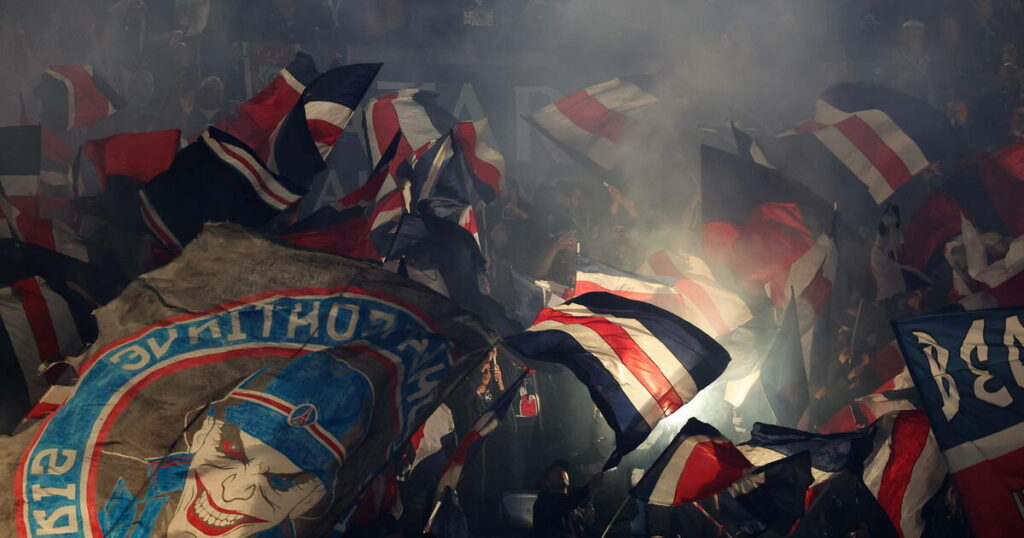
<point x="48" y="234"/>
<point x="300" y="381"/>
<point x="413" y="114"/>
<point x="471" y="442"/>
<point x="830" y="454"/>
<point x="433" y="443"/>
<point x="967" y="368"/>
<point x="904" y="469"/>
<point x="302" y="141"/>
<point x="216" y="178"/>
<point x="698" y="463"/>
<point x="344" y="227"/>
<point x="592" y="124"/>
<point x="681" y="284"/>
<point x="485" y="164"/>
<point x="74" y="96"/>
<point x="640" y="363"/>
<point x="37" y="326"/>
<point x="111" y="171"/>
<point x="256" y="120"/>
<point x="769" y="498"/>
<point x="868" y="141"/>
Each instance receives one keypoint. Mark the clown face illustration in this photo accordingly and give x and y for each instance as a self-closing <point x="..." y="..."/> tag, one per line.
<point x="238" y="486"/>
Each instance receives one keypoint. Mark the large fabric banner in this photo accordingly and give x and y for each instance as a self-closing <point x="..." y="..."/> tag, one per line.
<point x="967" y="367"/>
<point x="246" y="389"/>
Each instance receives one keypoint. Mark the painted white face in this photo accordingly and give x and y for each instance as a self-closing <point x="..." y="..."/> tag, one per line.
<point x="238" y="486"/>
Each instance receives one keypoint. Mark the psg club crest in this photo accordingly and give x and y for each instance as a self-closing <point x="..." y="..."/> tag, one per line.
<point x="230" y="423"/>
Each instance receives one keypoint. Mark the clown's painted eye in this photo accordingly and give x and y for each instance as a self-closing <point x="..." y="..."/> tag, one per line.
<point x="231" y="449"/>
<point x="285" y="481"/>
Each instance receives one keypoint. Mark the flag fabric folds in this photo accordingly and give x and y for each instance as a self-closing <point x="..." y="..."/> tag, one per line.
<point x="485" y="164"/>
<point x="698" y="463"/>
<point x="877" y="137"/>
<point x="769" y="498"/>
<point x="591" y="125"/>
<point x="216" y="178"/>
<point x="301" y="143"/>
<point x="830" y="454"/>
<point x="209" y="360"/>
<point x="413" y="114"/>
<point x="681" y="284"/>
<point x="257" y="119"/>
<point x="967" y="368"/>
<point x="74" y="96"/>
<point x="904" y="469"/>
<point x="111" y="171"/>
<point x="639" y="362"/>
<point x="783" y="376"/>
<point x="37" y="326"/>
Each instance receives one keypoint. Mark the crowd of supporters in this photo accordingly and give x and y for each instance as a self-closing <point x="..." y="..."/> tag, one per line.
<point x="178" y="64"/>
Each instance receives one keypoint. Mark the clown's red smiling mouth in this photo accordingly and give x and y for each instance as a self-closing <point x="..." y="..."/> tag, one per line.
<point x="212" y="520"/>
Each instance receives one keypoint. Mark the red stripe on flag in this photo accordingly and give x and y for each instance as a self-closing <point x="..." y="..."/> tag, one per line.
<point x="883" y="157"/>
<point x="661" y="264"/>
<point x="592" y="116"/>
<point x="324" y="132"/>
<point x="37" y="231"/>
<point x="909" y="435"/>
<point x="385" y="124"/>
<point x="703" y="301"/>
<point x="38" y="315"/>
<point x="482" y="170"/>
<point x="257" y="118"/>
<point x="91" y="104"/>
<point x="710" y="468"/>
<point x="633" y="357"/>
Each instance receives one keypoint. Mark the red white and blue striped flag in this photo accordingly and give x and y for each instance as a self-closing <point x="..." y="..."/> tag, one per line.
<point x="698" y="463"/>
<point x="640" y="363"/>
<point x="592" y="124"/>
<point x="680" y="284"/>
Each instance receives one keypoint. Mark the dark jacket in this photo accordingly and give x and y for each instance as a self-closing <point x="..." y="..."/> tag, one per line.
<point x="560" y="515"/>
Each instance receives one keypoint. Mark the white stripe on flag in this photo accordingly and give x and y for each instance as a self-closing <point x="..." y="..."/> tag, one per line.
<point x="926" y="479"/>
<point x="336" y="114"/>
<point x="602" y="151"/>
<point x="262" y="181"/>
<point x="886" y="129"/>
<point x="20" y="185"/>
<point x="856" y="162"/>
<point x="664" y="492"/>
<point x="621" y="96"/>
<point x="664" y="359"/>
<point x="635" y="391"/>
<point x="19" y="331"/>
<point x="68" y="339"/>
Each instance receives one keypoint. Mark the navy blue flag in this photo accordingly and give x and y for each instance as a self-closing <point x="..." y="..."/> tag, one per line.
<point x="640" y="363"/>
<point x="967" y="368"/>
<point x="783" y="377"/>
<point x="770" y="498"/>
<point x="830" y="453"/>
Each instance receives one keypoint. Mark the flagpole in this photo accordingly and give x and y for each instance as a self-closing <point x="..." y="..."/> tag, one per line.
<point x="616" y="515"/>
